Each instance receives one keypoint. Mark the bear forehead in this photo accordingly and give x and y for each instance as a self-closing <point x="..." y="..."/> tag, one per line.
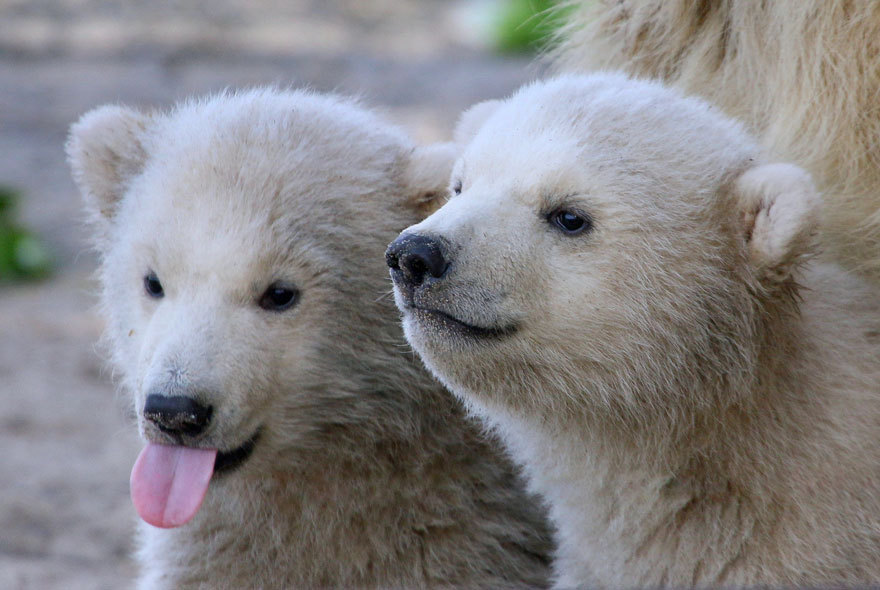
<point x="262" y="157"/>
<point x="257" y="135"/>
<point x="242" y="180"/>
<point x="248" y="227"/>
<point x="612" y="126"/>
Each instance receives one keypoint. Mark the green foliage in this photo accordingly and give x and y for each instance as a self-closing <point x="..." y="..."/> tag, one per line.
<point x="525" y="26"/>
<point x="22" y="255"/>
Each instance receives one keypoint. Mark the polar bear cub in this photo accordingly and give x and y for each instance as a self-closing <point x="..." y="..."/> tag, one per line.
<point x="632" y="297"/>
<point x="292" y="441"/>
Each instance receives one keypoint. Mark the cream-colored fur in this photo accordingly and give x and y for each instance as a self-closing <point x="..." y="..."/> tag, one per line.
<point x="693" y="389"/>
<point x="366" y="472"/>
<point x="805" y="76"/>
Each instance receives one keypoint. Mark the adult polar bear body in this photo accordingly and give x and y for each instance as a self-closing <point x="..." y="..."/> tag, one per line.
<point x="631" y="297"/>
<point x="248" y="317"/>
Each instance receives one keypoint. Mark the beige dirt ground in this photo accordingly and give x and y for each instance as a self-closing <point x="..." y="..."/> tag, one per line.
<point x="67" y="445"/>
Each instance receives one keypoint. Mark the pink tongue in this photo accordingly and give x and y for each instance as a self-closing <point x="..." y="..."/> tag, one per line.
<point x="169" y="483"/>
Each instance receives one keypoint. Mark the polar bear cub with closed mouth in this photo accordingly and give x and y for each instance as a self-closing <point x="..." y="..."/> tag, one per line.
<point x="293" y="442"/>
<point x="635" y="300"/>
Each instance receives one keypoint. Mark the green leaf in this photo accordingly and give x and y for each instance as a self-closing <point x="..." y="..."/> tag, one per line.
<point x="22" y="255"/>
<point x="527" y="25"/>
<point x="30" y="258"/>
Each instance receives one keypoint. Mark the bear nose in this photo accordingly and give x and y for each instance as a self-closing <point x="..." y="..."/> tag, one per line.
<point x="177" y="414"/>
<point x="413" y="257"/>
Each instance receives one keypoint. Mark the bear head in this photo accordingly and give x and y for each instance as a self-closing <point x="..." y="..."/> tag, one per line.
<point x="611" y="248"/>
<point x="241" y="239"/>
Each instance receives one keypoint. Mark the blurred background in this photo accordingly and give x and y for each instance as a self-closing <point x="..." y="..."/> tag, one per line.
<point x="66" y="444"/>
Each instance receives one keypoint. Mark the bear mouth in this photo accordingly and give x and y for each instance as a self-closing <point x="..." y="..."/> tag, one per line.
<point x="449" y="323"/>
<point x="228" y="461"/>
<point x="169" y="482"/>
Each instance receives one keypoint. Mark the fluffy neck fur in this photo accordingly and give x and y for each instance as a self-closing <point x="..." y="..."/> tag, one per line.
<point x="720" y="496"/>
<point x="372" y="512"/>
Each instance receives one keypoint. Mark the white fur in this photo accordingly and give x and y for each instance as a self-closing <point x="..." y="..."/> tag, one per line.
<point x="694" y="390"/>
<point x="366" y="472"/>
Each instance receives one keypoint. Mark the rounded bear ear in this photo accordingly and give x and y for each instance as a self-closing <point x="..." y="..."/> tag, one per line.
<point x="779" y="206"/>
<point x="426" y="175"/>
<point x="472" y="119"/>
<point x="105" y="151"/>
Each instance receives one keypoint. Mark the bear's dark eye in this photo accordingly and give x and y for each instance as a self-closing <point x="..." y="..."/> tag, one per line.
<point x="456" y="187"/>
<point x="279" y="297"/>
<point x="570" y="222"/>
<point x="153" y="287"/>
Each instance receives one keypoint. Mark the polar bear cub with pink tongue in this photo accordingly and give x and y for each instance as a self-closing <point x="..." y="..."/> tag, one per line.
<point x="291" y="439"/>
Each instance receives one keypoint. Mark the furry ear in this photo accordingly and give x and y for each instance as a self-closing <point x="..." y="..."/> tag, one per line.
<point x="472" y="119"/>
<point x="426" y="176"/>
<point x="105" y="151"/>
<point x="780" y="209"/>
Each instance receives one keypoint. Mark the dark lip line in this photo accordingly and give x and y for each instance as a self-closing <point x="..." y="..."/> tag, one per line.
<point x="469" y="329"/>
<point x="229" y="460"/>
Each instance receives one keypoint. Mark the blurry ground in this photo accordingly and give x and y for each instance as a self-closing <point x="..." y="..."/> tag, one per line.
<point x="66" y="446"/>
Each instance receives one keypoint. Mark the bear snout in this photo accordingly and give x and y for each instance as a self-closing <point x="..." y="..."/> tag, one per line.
<point x="177" y="414"/>
<point x="414" y="258"/>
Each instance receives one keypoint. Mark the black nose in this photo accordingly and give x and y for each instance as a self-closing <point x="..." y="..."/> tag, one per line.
<point x="177" y="414"/>
<point x="413" y="257"/>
